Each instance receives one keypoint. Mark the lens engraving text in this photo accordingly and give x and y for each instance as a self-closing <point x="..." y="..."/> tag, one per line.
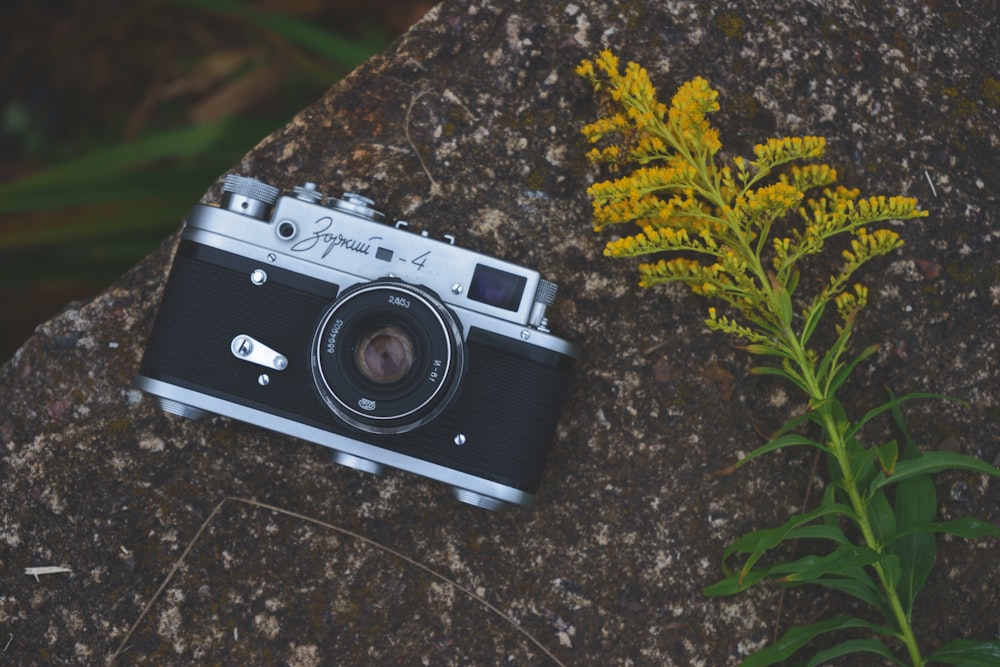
<point x="331" y="341"/>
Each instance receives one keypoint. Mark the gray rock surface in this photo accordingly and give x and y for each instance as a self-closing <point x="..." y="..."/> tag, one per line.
<point x="217" y="543"/>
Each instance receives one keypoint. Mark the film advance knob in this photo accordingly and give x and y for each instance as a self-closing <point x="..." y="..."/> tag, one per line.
<point x="248" y="196"/>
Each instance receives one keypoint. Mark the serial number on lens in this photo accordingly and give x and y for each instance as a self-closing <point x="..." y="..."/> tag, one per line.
<point x="331" y="342"/>
<point x="399" y="301"/>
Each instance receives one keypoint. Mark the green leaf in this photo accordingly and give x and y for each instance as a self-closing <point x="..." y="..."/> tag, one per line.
<point x="831" y="358"/>
<point x="785" y="373"/>
<point x="843" y="572"/>
<point x="854" y="646"/>
<point x="891" y="568"/>
<point x="813" y="568"/>
<point x="981" y="653"/>
<point x="759" y="542"/>
<point x="888" y="454"/>
<point x="910" y="450"/>
<point x="864" y="462"/>
<point x="769" y="370"/>
<point x="813" y="315"/>
<point x="882" y="518"/>
<point x="799" y="636"/>
<point x="891" y="404"/>
<point x="916" y="504"/>
<point x="783" y="302"/>
<point x="917" y="553"/>
<point x="787" y="440"/>
<point x="813" y="415"/>
<point x="765" y="350"/>
<point x="830" y="498"/>
<point x="735" y="583"/>
<point x="859" y="584"/>
<point x="967" y="527"/>
<point x="793" y="280"/>
<point x="930" y="463"/>
<point x="824" y="531"/>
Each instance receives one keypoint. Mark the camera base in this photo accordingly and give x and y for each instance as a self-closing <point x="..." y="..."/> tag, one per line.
<point x="479" y="500"/>
<point x="173" y="407"/>
<point x="358" y="463"/>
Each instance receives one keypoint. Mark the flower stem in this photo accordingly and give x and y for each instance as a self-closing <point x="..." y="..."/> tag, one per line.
<point x="838" y="446"/>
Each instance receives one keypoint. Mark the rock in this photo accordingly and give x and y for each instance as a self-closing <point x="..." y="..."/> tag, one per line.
<point x="223" y="543"/>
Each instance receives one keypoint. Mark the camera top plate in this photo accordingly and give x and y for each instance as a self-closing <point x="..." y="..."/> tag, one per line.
<point x="329" y="241"/>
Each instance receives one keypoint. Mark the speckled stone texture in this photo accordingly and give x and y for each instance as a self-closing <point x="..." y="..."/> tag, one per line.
<point x="469" y="125"/>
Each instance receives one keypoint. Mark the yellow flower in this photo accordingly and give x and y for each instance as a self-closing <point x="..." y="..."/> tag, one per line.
<point x="778" y="197"/>
<point x="608" y="62"/>
<point x="719" y="217"/>
<point x="785" y="149"/>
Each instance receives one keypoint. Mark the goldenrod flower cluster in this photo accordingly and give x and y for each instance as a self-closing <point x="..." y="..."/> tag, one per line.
<point x="736" y="230"/>
<point x="849" y="304"/>
<point x="779" y="151"/>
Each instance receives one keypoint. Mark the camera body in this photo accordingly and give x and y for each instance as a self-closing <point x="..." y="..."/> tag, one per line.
<point x="309" y="317"/>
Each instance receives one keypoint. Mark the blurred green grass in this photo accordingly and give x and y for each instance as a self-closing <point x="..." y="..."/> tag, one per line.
<point x="115" y="118"/>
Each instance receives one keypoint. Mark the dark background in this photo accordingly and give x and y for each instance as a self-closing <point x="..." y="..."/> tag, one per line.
<point x="115" y="117"/>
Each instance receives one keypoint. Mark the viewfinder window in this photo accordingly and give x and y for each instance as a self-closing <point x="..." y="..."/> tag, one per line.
<point x="497" y="288"/>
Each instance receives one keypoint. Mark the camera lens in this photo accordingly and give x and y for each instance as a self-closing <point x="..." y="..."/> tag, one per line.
<point x="384" y="354"/>
<point x="387" y="356"/>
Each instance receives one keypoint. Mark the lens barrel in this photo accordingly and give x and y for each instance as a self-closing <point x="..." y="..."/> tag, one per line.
<point x="387" y="356"/>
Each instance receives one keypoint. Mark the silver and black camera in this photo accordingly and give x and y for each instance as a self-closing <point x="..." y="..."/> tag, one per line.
<point x="308" y="316"/>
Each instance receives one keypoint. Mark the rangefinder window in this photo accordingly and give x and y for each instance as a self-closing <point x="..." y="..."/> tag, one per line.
<point x="497" y="288"/>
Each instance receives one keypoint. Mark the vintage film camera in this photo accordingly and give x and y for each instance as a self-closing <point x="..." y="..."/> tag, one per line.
<point x="309" y="317"/>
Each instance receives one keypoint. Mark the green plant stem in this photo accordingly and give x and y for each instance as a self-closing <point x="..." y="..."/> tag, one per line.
<point x="820" y="400"/>
<point x="835" y="441"/>
<point x="838" y="447"/>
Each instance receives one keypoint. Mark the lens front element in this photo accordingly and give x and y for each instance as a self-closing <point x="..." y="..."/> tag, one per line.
<point x="384" y="355"/>
<point x="387" y="356"/>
